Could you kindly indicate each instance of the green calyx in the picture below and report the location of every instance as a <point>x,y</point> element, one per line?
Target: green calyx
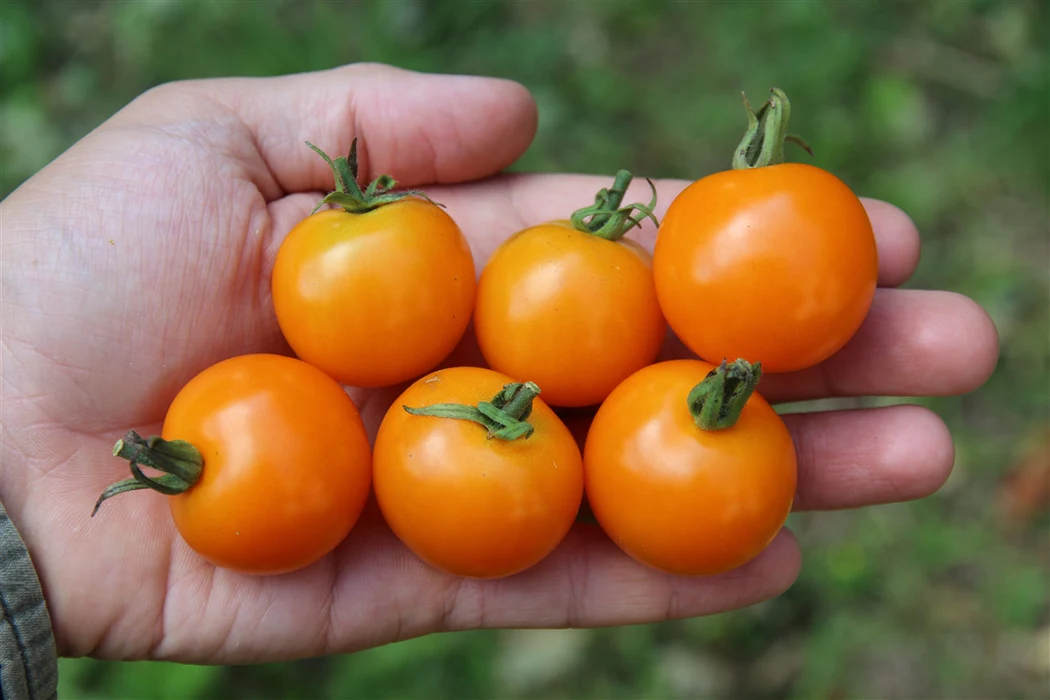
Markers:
<point>763,143</point>
<point>349,195</point>
<point>179,462</point>
<point>504,417</point>
<point>606,218</point>
<point>717,402</point>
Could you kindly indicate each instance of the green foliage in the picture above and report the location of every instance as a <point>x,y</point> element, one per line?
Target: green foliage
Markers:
<point>939,107</point>
<point>149,679</point>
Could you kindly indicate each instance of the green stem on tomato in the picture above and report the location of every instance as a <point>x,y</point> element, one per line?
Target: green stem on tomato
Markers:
<point>606,218</point>
<point>763,142</point>
<point>179,462</point>
<point>717,402</point>
<point>504,417</point>
<point>349,195</point>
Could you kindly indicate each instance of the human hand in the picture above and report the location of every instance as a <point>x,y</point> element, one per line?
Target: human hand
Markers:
<point>143,255</point>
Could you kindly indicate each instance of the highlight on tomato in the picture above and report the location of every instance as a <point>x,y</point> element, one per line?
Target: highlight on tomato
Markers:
<point>476,474</point>
<point>571,304</point>
<point>687,469</point>
<point>265,460</point>
<point>772,261</point>
<point>377,291</point>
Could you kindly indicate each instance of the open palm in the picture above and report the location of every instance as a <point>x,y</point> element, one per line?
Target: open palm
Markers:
<point>143,255</point>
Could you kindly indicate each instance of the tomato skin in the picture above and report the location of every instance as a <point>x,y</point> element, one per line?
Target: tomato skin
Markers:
<point>378,298</point>
<point>678,498</point>
<point>287,464</point>
<point>467,504</point>
<point>776,265</point>
<point>575,313</point>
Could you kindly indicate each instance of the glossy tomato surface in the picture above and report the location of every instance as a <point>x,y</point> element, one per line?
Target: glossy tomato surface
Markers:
<point>575,313</point>
<point>676,497</point>
<point>468,504</point>
<point>378,298</point>
<point>287,464</point>
<point>776,265</point>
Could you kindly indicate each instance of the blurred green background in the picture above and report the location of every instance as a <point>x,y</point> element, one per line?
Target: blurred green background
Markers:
<point>939,107</point>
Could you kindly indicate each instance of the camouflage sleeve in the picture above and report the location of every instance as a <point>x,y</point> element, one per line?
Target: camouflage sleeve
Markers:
<point>28,659</point>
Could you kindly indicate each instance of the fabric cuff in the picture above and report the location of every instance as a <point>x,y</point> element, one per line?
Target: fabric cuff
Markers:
<point>28,656</point>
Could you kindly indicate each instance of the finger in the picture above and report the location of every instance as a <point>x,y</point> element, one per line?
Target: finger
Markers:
<point>897,240</point>
<point>374,591</point>
<point>590,582</point>
<point>850,459</point>
<point>912,343</point>
<point>846,459</point>
<point>416,127</point>
<point>539,198</point>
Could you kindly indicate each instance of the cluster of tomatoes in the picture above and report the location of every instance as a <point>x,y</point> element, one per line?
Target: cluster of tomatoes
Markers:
<point>685,466</point>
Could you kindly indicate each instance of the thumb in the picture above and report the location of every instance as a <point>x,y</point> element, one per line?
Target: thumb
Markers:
<point>419,128</point>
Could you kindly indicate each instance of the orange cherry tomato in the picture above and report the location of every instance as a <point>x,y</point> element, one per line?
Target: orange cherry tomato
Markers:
<point>377,297</point>
<point>569,309</point>
<point>681,498</point>
<point>284,463</point>
<point>464,500</point>
<point>775,263</point>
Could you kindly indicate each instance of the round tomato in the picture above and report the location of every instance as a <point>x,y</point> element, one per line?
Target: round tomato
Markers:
<point>571,305</point>
<point>471,494</point>
<point>771,262</point>
<point>378,291</point>
<point>266,460</point>
<point>687,470</point>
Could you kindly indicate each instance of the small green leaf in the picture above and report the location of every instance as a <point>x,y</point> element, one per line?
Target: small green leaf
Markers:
<point>340,184</point>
